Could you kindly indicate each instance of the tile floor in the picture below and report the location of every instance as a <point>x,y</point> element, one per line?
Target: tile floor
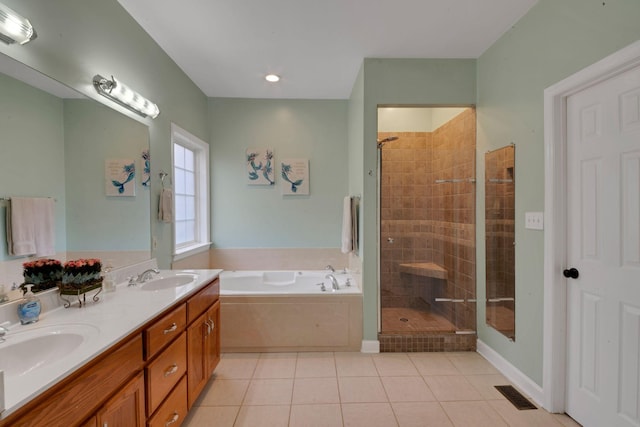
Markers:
<point>415,321</point>
<point>356,389</point>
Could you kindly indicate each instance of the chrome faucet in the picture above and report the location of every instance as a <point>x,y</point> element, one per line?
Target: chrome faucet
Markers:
<point>334,281</point>
<point>3,331</point>
<point>330,267</point>
<point>146,275</point>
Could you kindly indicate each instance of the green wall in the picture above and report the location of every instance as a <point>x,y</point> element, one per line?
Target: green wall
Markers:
<point>552,41</point>
<point>249,216</point>
<point>32,146</point>
<point>78,39</point>
<point>434,82</point>
<point>94,133</point>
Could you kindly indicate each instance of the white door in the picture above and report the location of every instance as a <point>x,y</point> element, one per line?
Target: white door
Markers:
<point>603,227</point>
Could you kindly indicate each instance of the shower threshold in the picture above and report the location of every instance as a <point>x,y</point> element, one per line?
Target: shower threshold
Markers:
<point>412,330</point>
<point>410,320</point>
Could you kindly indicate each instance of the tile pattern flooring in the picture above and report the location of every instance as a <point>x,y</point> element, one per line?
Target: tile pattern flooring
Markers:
<point>356,389</point>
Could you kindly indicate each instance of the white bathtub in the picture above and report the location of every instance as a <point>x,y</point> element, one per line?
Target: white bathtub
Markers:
<point>277,311</point>
<point>285,282</point>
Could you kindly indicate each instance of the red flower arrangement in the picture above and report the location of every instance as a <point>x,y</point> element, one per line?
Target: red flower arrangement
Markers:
<point>42,273</point>
<point>82,271</point>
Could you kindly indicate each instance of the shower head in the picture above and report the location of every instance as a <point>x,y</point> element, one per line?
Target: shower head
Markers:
<point>381,142</point>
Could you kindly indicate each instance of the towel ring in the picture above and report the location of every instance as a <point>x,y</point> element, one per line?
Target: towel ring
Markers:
<point>163,175</point>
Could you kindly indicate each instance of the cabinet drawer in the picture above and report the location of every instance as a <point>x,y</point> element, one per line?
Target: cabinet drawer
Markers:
<point>201,301</point>
<point>165,371</point>
<point>164,331</point>
<point>174,410</point>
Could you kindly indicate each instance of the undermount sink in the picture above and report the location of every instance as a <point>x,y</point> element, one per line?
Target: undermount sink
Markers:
<point>34,349</point>
<point>168,282</point>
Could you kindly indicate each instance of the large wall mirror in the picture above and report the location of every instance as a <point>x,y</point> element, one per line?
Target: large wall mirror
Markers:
<point>55,143</point>
<point>500,239</point>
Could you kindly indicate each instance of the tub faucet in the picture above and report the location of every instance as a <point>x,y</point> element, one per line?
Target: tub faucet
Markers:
<point>330,267</point>
<point>334,281</point>
<point>146,275</point>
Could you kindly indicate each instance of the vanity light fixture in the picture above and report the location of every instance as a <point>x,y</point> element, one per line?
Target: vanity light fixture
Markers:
<point>272,78</point>
<point>122,94</point>
<point>15,28</point>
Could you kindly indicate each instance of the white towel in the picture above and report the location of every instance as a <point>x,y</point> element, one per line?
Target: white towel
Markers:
<point>165,208</point>
<point>347,242</point>
<point>31,226</point>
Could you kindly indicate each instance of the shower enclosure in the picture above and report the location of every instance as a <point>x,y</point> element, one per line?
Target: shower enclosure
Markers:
<point>427,234</point>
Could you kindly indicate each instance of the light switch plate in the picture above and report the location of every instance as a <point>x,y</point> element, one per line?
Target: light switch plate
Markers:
<point>534,220</point>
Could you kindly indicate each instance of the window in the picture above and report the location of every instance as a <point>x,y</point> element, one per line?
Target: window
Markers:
<point>190,158</point>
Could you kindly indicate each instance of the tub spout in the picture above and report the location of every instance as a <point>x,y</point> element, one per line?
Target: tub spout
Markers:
<point>334,281</point>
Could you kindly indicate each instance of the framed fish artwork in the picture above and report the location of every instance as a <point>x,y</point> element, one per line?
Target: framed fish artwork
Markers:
<point>260,166</point>
<point>295,177</point>
<point>120,177</point>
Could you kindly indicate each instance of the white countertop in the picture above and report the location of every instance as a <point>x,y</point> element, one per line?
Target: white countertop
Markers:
<point>115,316</point>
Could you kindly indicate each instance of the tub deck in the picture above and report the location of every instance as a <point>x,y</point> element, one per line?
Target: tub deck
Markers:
<point>291,320</point>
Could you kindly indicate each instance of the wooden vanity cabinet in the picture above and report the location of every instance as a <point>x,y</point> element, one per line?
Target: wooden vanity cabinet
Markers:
<point>194,355</point>
<point>203,343</point>
<point>74,400</point>
<point>203,350</point>
<point>91,422</point>
<point>151,378</point>
<point>126,408</point>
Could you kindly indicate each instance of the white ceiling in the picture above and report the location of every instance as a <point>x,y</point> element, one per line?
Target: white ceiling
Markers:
<point>316,46</point>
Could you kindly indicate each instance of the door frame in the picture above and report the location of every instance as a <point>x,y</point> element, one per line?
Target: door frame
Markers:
<point>554,358</point>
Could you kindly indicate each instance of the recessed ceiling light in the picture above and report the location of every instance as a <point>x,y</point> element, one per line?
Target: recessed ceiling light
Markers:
<point>272,78</point>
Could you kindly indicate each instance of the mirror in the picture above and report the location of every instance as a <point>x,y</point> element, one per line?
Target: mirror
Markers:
<point>500,239</point>
<point>55,143</point>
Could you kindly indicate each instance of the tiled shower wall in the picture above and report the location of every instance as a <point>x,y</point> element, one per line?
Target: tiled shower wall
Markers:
<point>423,220</point>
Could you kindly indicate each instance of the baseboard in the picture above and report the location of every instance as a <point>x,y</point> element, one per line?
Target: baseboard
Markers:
<point>513,374</point>
<point>372,346</point>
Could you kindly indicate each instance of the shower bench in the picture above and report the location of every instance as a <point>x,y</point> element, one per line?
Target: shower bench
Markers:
<point>425,269</point>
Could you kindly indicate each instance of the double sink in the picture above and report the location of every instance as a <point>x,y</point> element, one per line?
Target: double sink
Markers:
<point>46,349</point>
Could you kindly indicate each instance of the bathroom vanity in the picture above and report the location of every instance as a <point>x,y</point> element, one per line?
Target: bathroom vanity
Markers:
<point>151,375</point>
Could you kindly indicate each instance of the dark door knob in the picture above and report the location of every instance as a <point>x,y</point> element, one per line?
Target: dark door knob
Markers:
<point>571,273</point>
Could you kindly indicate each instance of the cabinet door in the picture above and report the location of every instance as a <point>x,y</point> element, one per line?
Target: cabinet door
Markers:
<point>197,341</point>
<point>126,408</point>
<point>213,345</point>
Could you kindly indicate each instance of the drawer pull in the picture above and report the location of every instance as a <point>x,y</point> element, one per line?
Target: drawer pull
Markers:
<point>172,370</point>
<point>175,418</point>
<point>213,325</point>
<point>172,328</point>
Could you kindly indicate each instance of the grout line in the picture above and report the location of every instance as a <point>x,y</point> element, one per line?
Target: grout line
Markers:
<point>450,356</point>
